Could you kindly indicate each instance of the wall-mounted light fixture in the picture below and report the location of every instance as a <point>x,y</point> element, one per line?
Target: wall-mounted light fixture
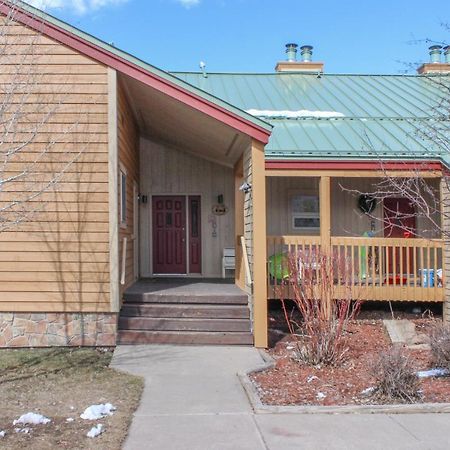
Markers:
<point>245,187</point>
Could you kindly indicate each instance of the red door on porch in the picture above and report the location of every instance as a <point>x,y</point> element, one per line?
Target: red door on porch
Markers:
<point>399,222</point>
<point>169,235</point>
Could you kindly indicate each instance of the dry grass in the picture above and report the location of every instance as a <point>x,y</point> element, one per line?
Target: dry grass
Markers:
<point>440,345</point>
<point>62,383</point>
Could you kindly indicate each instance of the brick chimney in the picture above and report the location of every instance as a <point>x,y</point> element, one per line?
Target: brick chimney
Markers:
<point>304,65</point>
<point>436,65</point>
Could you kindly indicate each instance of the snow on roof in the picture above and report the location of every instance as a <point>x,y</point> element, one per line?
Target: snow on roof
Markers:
<point>273,114</point>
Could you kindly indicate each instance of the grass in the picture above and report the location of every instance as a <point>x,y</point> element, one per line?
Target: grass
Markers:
<point>61,383</point>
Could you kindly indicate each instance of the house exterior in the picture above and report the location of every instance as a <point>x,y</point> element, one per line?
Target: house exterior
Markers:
<point>141,173</point>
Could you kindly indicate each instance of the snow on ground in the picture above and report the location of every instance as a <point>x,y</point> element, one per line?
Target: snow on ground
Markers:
<point>32,419</point>
<point>2,434</point>
<point>22,430</point>
<point>95,412</point>
<point>95,431</point>
<point>433,373</point>
<point>294,114</point>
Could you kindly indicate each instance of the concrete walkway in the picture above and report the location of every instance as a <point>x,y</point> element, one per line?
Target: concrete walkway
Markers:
<point>193,401</point>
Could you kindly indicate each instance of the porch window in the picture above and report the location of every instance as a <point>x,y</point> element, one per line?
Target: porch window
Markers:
<point>123,196</point>
<point>305,213</point>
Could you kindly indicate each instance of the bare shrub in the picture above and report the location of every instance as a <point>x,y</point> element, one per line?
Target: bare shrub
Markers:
<point>320,287</point>
<point>395,377</point>
<point>440,345</point>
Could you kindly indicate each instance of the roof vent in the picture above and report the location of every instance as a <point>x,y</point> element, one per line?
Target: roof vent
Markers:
<point>291,52</point>
<point>435,54</point>
<point>305,65</point>
<point>436,65</point>
<point>306,52</point>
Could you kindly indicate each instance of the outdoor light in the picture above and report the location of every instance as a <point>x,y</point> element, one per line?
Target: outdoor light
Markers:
<point>246,187</point>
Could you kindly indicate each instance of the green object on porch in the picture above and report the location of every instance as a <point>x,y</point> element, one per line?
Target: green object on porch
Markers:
<point>279,266</point>
<point>363,255</point>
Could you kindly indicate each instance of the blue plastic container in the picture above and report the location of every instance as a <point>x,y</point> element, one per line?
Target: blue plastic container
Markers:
<point>427,276</point>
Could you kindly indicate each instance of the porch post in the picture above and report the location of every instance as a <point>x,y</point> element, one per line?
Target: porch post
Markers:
<point>325,213</point>
<point>239,223</point>
<point>445,225</point>
<point>259,244</point>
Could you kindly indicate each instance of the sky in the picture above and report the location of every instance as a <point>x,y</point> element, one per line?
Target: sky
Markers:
<point>349,36</point>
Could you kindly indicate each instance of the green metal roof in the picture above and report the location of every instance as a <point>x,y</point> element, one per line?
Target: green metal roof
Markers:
<point>184,84</point>
<point>375,116</point>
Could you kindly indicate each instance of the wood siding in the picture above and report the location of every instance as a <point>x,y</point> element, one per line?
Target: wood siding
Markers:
<point>168,171</point>
<point>128,147</point>
<point>58,258</point>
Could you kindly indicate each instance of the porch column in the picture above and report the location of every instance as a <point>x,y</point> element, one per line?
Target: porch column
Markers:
<point>239,223</point>
<point>325,213</point>
<point>259,244</point>
<point>445,225</point>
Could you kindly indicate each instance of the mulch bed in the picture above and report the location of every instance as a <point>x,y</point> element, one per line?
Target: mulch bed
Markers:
<point>291,383</point>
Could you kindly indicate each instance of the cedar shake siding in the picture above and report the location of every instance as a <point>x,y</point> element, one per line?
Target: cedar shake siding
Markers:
<point>57,259</point>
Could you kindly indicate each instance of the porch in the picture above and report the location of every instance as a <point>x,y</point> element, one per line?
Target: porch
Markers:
<point>371,258</point>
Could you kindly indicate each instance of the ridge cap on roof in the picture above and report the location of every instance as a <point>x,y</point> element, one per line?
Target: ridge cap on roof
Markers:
<point>306,74</point>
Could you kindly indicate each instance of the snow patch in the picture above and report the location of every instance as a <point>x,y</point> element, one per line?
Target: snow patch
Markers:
<point>70,419</point>
<point>22,430</point>
<point>32,419</point>
<point>433,373</point>
<point>320,396</point>
<point>311,378</point>
<point>95,412</point>
<point>368,391</point>
<point>2,434</point>
<point>274,114</point>
<point>95,431</point>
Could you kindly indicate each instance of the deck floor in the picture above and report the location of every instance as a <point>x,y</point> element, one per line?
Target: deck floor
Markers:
<point>185,286</point>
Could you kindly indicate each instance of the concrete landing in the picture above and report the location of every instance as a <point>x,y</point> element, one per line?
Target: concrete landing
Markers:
<point>193,401</point>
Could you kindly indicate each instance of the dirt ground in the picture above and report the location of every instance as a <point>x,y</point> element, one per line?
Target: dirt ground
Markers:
<point>61,384</point>
<point>291,383</point>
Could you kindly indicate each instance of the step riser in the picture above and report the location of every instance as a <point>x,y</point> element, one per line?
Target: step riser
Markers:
<point>136,337</point>
<point>157,324</point>
<point>186,311</point>
<point>187,299</point>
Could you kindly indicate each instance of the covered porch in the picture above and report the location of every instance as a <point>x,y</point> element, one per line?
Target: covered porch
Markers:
<point>374,257</point>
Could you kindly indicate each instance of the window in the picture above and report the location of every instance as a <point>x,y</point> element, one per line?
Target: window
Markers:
<point>305,213</point>
<point>123,197</point>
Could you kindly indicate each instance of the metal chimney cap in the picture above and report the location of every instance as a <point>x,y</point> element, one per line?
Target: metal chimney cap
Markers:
<point>291,52</point>
<point>306,47</point>
<point>435,53</point>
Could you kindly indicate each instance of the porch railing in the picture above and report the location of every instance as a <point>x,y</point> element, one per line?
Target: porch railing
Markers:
<point>376,268</point>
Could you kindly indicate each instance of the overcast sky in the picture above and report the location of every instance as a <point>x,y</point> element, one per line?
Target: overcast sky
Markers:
<point>354,36</point>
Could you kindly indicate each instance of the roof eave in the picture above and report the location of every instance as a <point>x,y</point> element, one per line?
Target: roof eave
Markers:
<point>141,71</point>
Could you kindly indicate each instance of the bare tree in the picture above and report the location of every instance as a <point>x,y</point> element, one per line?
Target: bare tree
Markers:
<point>433,132</point>
<point>29,131</point>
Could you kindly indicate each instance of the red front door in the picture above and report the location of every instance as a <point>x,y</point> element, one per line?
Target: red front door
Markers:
<point>169,235</point>
<point>399,222</point>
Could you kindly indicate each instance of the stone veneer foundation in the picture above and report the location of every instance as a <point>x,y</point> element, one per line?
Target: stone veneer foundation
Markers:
<point>57,329</point>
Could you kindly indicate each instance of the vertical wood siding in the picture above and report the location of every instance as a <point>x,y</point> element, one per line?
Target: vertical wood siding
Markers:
<point>56,260</point>
<point>248,211</point>
<point>166,171</point>
<point>128,147</point>
<point>346,218</point>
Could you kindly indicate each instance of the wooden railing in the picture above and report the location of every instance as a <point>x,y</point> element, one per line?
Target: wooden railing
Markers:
<point>375,268</point>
